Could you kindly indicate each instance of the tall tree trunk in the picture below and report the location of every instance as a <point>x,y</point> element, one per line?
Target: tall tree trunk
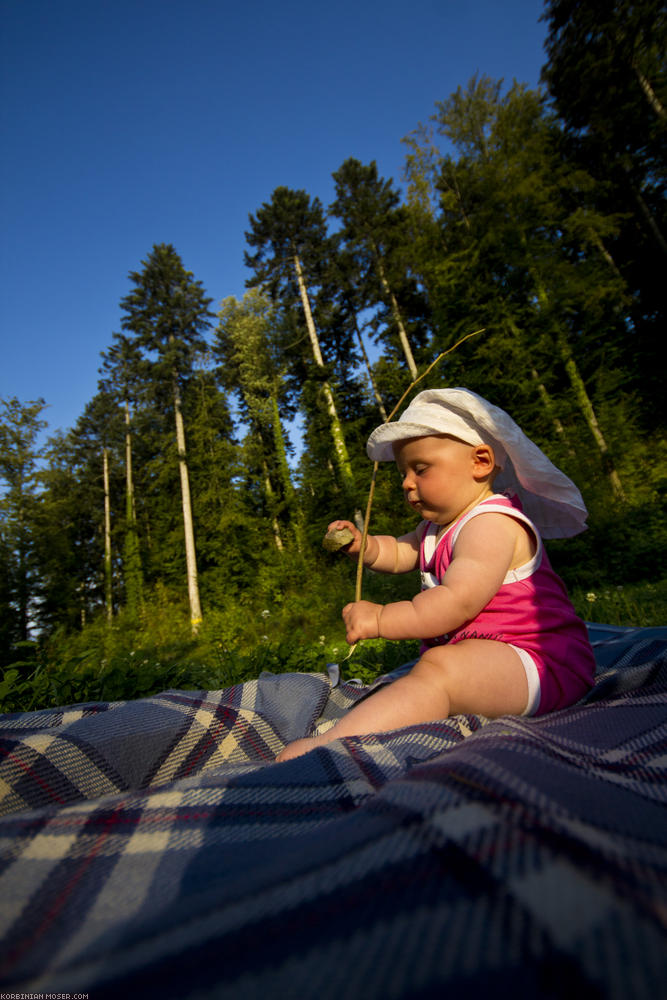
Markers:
<point>649,93</point>
<point>268,489</point>
<point>22,587</point>
<point>586,407</point>
<point>396,313</point>
<point>648,217</point>
<point>542,390</point>
<point>548,404</point>
<point>581,395</point>
<point>605,253</point>
<point>340,448</point>
<point>283,466</point>
<point>108,600</point>
<point>369,370</point>
<point>131,555</point>
<point>190,551</point>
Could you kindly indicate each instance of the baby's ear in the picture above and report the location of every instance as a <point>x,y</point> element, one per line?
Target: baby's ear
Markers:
<point>484,460</point>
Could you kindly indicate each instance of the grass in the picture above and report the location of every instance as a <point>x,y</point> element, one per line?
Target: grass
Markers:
<point>640,604</point>
<point>123,663</point>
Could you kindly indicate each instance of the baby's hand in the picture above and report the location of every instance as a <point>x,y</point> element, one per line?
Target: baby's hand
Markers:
<point>362,621</point>
<point>349,548</point>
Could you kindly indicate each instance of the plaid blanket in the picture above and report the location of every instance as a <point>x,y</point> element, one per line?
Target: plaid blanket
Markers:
<point>155,848</point>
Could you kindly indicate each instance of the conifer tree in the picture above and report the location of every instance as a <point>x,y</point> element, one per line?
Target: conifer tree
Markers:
<point>88,459</point>
<point>96,439</point>
<point>247,345</point>
<point>214,463</point>
<point>67,548</point>
<point>288,234</point>
<point>372,227</point>
<point>122,374</point>
<point>20,425</point>
<point>347,303</point>
<point>168,312</point>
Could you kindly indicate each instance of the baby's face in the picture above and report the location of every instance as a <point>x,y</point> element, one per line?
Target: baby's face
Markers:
<point>438,476</point>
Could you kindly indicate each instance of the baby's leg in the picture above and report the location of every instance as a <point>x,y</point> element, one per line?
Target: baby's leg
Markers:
<point>476,676</point>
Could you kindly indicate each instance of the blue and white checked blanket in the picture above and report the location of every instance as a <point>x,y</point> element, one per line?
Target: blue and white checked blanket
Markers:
<point>155,849</point>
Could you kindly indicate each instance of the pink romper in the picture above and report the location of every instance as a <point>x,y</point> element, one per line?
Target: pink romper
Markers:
<point>531,611</point>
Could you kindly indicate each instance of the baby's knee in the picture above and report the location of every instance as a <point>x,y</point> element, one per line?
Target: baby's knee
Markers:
<point>434,657</point>
<point>433,665</point>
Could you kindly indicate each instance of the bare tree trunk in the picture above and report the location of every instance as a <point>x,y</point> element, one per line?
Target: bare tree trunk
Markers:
<point>649,219</point>
<point>22,586</point>
<point>547,402</point>
<point>131,556</point>
<point>586,407</point>
<point>605,253</point>
<point>129,485</point>
<point>396,313</point>
<point>268,489</point>
<point>336,428</point>
<point>542,391</point>
<point>107,536</point>
<point>376,391</point>
<point>650,93</point>
<point>583,399</point>
<point>190,551</point>
<point>283,465</point>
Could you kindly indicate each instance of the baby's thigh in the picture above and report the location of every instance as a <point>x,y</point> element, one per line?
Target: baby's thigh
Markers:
<point>480,676</point>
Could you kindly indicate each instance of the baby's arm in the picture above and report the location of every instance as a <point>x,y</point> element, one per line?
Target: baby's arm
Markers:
<point>383,553</point>
<point>483,554</point>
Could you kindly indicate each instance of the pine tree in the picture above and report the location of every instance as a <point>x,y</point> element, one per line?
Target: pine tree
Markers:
<point>221,520</point>
<point>288,234</point>
<point>96,441</point>
<point>247,346</point>
<point>168,312</point>
<point>373,229</point>
<point>20,425</point>
<point>67,539</point>
<point>122,375</point>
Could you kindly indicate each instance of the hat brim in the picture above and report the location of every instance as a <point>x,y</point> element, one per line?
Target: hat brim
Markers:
<point>380,445</point>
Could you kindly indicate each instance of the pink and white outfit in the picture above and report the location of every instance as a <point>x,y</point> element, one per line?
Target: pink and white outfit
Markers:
<point>531,612</point>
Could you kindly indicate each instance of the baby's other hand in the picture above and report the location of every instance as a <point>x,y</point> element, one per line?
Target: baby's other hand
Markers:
<point>361,620</point>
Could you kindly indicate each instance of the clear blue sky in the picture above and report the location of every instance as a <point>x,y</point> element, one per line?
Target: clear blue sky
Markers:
<point>126,123</point>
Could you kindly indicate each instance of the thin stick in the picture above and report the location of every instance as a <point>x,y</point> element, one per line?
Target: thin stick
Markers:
<point>371,492</point>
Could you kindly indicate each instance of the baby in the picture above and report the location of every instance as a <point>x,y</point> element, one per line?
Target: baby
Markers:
<point>499,633</point>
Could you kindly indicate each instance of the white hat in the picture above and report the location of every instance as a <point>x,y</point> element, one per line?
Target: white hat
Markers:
<point>551,500</point>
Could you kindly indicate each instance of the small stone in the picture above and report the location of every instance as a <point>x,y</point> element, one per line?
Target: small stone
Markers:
<point>337,538</point>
